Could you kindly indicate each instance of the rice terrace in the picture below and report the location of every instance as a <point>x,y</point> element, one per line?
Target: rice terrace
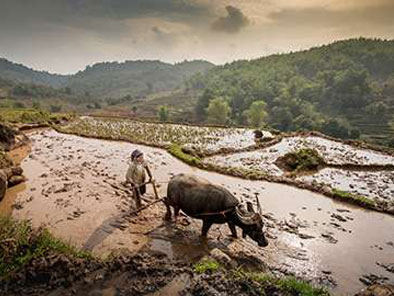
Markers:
<point>196,148</point>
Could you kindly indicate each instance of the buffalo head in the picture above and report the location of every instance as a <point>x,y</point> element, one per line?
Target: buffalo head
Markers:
<point>251,224</point>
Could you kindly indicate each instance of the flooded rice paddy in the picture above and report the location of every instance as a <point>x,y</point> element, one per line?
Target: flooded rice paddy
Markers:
<point>74,188</point>
<point>205,139</point>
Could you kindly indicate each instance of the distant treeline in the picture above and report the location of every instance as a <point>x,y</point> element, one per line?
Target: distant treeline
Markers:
<point>110,79</point>
<point>339,89</point>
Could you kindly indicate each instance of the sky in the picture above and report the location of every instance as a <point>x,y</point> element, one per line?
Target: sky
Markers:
<point>64,36</point>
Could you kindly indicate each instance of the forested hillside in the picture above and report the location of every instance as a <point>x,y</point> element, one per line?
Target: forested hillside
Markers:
<point>343,89</point>
<point>18,95</point>
<point>114,80</point>
<point>110,80</point>
<point>20,73</point>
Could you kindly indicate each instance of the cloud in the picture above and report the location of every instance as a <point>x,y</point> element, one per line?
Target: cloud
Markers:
<point>353,18</point>
<point>66,35</point>
<point>233,22</point>
<point>164,39</point>
<point>68,12</point>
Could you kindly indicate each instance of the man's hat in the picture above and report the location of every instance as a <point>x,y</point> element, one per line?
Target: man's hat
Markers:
<point>136,153</point>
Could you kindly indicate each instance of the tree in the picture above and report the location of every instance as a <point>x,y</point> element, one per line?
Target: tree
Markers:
<point>134,109</point>
<point>203,102</point>
<point>67,90</point>
<point>256,113</point>
<point>18,105</point>
<point>36,105</point>
<point>391,138</point>
<point>55,108</point>
<point>334,127</point>
<point>163,113</point>
<point>218,111</point>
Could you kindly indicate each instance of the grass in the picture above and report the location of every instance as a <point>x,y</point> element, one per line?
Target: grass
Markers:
<point>20,243</point>
<point>354,198</point>
<point>288,285</point>
<point>260,281</point>
<point>31,116</point>
<point>305,159</point>
<point>176,150</point>
<point>206,265</point>
<point>5,161</point>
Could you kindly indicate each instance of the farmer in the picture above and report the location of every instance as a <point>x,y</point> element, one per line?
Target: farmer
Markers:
<point>136,175</point>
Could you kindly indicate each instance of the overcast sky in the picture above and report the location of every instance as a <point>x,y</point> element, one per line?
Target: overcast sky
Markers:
<point>63,36</point>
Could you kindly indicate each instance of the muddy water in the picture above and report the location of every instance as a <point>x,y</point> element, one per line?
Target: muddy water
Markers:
<point>378,185</point>
<point>73,189</point>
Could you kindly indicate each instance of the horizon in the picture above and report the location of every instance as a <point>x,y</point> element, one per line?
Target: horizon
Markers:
<point>63,37</point>
<point>190,60</point>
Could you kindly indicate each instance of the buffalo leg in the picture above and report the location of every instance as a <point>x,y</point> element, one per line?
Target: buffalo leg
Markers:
<point>168,212</point>
<point>233,229</point>
<point>176,213</point>
<point>205,227</point>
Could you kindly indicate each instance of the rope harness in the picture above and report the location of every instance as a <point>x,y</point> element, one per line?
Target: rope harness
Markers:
<point>223,213</point>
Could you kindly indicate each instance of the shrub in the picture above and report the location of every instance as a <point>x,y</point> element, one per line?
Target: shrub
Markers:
<point>302,160</point>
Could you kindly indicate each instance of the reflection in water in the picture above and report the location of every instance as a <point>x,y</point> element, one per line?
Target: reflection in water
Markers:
<point>6,205</point>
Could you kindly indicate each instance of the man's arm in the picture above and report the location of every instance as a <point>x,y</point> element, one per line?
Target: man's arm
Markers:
<point>149,172</point>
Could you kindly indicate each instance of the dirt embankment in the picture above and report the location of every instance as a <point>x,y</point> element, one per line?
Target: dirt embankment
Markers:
<point>10,170</point>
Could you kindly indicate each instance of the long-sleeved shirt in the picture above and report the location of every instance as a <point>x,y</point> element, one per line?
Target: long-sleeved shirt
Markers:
<point>136,173</point>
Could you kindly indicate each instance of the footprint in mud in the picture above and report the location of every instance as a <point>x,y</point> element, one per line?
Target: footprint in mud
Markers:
<point>329,237</point>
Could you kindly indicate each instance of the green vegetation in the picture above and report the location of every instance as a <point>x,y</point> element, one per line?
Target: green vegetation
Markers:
<point>354,198</point>
<point>259,282</point>
<point>202,139</point>
<point>305,159</point>
<point>177,151</point>
<point>32,116</point>
<point>345,89</point>
<point>289,285</point>
<point>20,243</point>
<point>218,111</point>
<point>162,113</point>
<point>101,86</point>
<point>20,73</point>
<point>136,79</point>
<point>5,161</point>
<point>206,265</point>
<point>256,113</point>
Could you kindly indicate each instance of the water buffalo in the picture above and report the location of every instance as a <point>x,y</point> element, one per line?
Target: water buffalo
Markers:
<point>200,199</point>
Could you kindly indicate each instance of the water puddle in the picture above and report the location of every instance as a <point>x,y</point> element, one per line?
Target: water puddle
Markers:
<point>174,287</point>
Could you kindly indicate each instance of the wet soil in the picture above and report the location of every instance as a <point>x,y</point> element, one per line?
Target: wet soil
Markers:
<point>74,188</point>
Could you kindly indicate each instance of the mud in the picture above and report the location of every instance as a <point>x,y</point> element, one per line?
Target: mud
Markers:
<point>333,153</point>
<point>125,274</point>
<point>74,189</point>
<point>378,185</point>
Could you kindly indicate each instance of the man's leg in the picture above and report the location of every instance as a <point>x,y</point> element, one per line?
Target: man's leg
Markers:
<point>137,197</point>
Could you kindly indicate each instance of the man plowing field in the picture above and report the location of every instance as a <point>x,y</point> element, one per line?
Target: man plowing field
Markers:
<point>136,175</point>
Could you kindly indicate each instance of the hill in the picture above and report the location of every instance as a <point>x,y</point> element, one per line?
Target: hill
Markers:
<point>345,89</point>
<point>110,80</point>
<point>134,78</point>
<point>20,73</point>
